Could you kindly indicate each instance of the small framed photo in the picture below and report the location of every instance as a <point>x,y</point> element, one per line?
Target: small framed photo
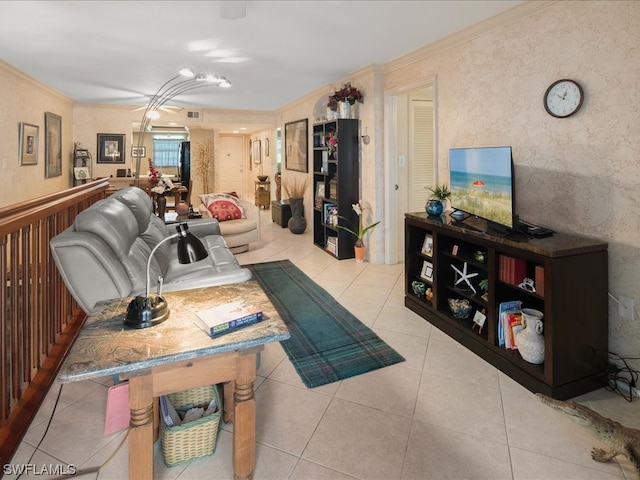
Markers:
<point>52,145</point>
<point>81,173</point>
<point>256,152</point>
<point>29,135</point>
<point>138,151</point>
<point>427,271</point>
<point>427,246</point>
<point>110,148</point>
<point>320,191</point>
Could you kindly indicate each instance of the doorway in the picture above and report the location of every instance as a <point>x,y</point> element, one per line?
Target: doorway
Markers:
<point>411,148</point>
<point>230,172</point>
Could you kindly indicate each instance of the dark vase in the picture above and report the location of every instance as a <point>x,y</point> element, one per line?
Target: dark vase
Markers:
<point>433,208</point>
<point>297,223</point>
<point>161,200</point>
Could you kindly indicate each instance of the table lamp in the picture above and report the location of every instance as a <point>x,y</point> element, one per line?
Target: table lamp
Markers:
<point>147,311</point>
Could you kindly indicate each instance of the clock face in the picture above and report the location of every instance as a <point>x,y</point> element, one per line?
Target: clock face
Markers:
<point>563,98</point>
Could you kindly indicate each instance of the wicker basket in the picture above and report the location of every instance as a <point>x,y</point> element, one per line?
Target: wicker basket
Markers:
<point>194,439</point>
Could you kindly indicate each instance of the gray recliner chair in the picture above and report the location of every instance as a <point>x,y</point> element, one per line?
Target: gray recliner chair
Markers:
<point>104,254</point>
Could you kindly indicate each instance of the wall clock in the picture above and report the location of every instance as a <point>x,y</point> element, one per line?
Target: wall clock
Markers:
<point>563,98</point>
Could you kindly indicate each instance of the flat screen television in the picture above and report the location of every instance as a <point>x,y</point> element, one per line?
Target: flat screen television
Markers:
<point>482,185</point>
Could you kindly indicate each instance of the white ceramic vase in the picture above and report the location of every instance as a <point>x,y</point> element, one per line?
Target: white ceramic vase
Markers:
<point>529,340</point>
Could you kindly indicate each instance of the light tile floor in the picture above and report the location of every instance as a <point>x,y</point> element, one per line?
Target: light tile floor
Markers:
<point>443,414</point>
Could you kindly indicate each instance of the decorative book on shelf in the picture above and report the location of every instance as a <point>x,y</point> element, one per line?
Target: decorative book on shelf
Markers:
<point>503,310</point>
<point>227,318</point>
<point>512,270</point>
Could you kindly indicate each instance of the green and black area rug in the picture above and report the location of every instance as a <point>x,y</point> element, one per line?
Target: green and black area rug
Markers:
<point>327,342</point>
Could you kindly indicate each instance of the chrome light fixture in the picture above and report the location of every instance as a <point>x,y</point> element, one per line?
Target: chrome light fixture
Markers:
<point>146,311</point>
<point>186,80</point>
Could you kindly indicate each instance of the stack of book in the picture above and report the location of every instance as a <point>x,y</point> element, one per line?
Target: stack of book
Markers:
<point>227,318</point>
<point>509,322</point>
<point>512,270</point>
<point>332,245</point>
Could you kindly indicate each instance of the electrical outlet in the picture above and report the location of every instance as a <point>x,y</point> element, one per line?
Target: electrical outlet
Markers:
<point>625,308</point>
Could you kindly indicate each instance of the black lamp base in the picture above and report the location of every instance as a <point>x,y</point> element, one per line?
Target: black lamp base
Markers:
<point>146,312</point>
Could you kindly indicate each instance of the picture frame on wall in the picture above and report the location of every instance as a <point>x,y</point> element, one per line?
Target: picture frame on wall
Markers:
<point>266,147</point>
<point>138,151</point>
<point>256,152</point>
<point>29,136</point>
<point>110,148</point>
<point>52,145</point>
<point>296,146</point>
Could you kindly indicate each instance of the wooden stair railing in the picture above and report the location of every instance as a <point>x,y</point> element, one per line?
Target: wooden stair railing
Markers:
<point>38,316</point>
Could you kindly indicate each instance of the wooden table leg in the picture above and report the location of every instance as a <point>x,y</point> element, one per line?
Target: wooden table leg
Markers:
<point>141,434</point>
<point>244,421</point>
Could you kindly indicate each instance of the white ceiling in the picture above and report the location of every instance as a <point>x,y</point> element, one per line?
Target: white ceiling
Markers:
<point>121,52</point>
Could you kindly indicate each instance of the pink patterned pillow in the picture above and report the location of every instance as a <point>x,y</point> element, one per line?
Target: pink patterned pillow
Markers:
<point>223,210</point>
<point>209,198</point>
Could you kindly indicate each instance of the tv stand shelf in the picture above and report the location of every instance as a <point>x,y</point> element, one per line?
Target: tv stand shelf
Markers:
<point>571,285</point>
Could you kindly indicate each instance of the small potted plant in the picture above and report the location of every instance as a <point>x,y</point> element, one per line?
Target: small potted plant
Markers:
<point>360,231</point>
<point>439,194</point>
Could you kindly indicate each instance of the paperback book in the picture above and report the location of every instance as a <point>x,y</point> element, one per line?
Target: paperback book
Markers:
<point>227,318</point>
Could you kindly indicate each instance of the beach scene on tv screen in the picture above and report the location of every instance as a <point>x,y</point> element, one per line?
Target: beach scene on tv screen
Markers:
<point>481,182</point>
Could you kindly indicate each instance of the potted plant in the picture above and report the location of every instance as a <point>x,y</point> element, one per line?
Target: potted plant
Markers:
<point>295,190</point>
<point>439,194</point>
<point>361,230</point>
<point>344,98</point>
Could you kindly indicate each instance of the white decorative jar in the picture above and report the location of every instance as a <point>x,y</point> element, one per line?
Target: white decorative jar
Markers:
<point>529,340</point>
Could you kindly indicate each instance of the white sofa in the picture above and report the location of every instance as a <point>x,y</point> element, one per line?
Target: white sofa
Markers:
<point>240,232</point>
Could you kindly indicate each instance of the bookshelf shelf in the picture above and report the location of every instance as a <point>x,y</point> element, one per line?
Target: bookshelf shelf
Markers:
<point>568,274</point>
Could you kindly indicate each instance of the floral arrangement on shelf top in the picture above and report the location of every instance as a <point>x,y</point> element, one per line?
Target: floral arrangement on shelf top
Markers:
<point>159,184</point>
<point>359,208</point>
<point>332,142</point>
<point>345,94</point>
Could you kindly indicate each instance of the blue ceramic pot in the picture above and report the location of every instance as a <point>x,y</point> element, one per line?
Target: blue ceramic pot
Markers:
<point>433,208</point>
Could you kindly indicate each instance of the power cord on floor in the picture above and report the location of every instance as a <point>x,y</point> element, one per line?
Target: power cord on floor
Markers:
<point>55,405</point>
<point>622,380</point>
<point>77,472</point>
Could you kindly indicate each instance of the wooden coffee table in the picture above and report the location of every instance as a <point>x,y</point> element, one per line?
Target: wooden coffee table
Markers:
<point>174,356</point>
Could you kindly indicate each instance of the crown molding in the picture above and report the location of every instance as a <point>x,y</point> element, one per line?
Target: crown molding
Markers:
<point>469,33</point>
<point>11,70</point>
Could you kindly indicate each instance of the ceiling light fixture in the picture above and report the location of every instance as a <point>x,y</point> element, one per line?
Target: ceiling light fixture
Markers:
<point>187,80</point>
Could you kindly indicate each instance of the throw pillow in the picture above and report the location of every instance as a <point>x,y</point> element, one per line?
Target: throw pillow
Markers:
<point>209,198</point>
<point>223,210</point>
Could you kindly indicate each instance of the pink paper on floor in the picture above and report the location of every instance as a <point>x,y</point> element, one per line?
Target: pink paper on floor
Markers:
<point>118,414</point>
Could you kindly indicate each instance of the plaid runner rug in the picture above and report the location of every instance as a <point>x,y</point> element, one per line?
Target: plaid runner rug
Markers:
<point>327,342</point>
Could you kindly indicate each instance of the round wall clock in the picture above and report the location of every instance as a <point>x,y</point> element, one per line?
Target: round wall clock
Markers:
<point>563,98</point>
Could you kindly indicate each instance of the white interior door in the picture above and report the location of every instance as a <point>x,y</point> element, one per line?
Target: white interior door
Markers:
<point>414,154</point>
<point>229,174</point>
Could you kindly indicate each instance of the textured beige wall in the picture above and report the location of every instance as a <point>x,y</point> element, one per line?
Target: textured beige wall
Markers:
<point>579,174</point>
<point>24,100</point>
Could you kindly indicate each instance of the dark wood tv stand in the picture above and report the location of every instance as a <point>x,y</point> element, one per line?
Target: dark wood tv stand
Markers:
<point>571,272</point>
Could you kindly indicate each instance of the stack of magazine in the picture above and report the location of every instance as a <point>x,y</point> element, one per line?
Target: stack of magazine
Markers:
<point>227,318</point>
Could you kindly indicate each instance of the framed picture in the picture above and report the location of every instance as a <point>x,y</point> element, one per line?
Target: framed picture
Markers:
<point>52,145</point>
<point>295,146</point>
<point>81,173</point>
<point>319,189</point>
<point>110,148</point>
<point>427,246</point>
<point>138,151</point>
<point>256,151</point>
<point>427,271</point>
<point>266,147</point>
<point>29,134</point>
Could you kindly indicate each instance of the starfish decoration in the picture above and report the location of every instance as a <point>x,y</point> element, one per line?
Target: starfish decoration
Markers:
<point>464,276</point>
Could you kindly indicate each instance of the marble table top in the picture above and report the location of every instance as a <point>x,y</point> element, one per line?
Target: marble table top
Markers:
<point>105,346</point>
